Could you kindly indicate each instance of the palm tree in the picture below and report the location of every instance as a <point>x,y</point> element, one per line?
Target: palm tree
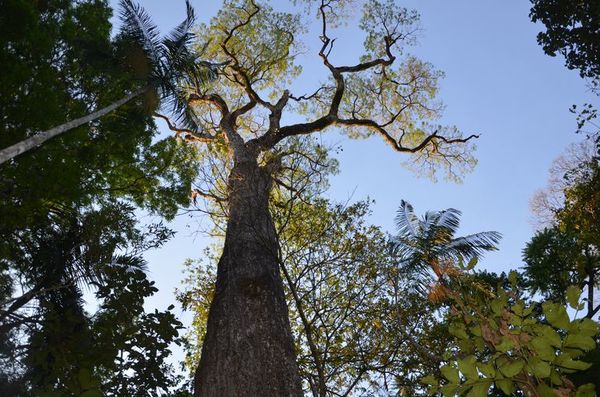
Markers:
<point>174,69</point>
<point>64,256</point>
<point>428,244</point>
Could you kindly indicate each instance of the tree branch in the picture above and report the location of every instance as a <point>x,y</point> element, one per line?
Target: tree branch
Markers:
<point>189,134</point>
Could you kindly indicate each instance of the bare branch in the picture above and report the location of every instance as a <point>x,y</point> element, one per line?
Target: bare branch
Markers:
<point>211,99</point>
<point>190,135</point>
<point>199,193</point>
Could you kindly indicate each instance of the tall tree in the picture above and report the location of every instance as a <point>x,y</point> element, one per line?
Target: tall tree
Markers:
<point>546,202</point>
<point>359,325</point>
<point>248,349</point>
<point>569,246</point>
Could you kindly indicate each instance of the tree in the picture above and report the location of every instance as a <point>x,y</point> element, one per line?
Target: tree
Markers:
<point>572,30</point>
<point>161,66</point>
<point>67,210</point>
<point>567,252</point>
<point>504,344</point>
<point>429,245</point>
<point>552,261</point>
<point>566,168</point>
<point>248,347</point>
<point>47,329</point>
<point>359,325</point>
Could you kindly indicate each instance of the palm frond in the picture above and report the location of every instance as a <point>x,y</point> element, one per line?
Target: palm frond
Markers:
<point>475,245</point>
<point>427,247</point>
<point>177,42</point>
<point>449,219</point>
<point>138,25</point>
<point>130,262</point>
<point>406,221</point>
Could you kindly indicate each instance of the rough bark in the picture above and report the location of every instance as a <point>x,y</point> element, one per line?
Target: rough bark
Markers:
<point>248,349</point>
<point>38,139</point>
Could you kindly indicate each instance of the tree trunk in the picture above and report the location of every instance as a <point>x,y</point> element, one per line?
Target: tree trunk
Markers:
<point>248,349</point>
<point>38,139</point>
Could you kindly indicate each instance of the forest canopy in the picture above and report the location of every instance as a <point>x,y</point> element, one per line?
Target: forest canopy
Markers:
<point>109,134</point>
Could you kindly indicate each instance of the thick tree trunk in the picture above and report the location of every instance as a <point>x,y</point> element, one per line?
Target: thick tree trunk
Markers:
<point>248,349</point>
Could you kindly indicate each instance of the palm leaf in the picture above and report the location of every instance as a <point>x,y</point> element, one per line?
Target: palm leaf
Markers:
<point>177,42</point>
<point>424,244</point>
<point>475,245</point>
<point>138,25</point>
<point>449,219</point>
<point>407,222</point>
<point>176,69</point>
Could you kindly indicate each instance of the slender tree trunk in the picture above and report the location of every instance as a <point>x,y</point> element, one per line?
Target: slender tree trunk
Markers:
<point>590,299</point>
<point>248,349</point>
<point>38,139</point>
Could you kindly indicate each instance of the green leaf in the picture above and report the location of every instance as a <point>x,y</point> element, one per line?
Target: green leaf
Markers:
<point>585,343</point>
<point>450,373</point>
<point>505,345</point>
<point>513,278</point>
<point>555,377</point>
<point>587,390</point>
<point>467,367</point>
<point>540,369</point>
<point>556,315</point>
<point>550,336</point>
<point>449,390</point>
<point>480,389</point>
<point>518,308</point>
<point>568,363</point>
<point>497,305</point>
<point>573,294</point>
<point>545,391</point>
<point>588,327</point>
<point>487,369</point>
<point>511,368</point>
<point>543,348</point>
<point>472,263</point>
<point>458,330</point>
<point>429,380</point>
<point>506,385</point>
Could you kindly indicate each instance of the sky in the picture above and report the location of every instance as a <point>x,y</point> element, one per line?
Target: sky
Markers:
<point>498,83</point>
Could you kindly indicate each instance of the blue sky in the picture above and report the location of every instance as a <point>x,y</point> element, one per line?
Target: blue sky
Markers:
<point>498,83</point>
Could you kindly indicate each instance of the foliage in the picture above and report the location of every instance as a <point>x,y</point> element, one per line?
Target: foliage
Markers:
<point>553,262</point>
<point>428,244</point>
<point>568,251</point>
<point>571,30</point>
<point>504,344</point>
<point>258,49</point>
<point>49,329</point>
<point>359,325</point>
<point>68,225</point>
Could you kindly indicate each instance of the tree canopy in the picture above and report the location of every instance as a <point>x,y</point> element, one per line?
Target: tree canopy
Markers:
<point>572,30</point>
<point>300,294</point>
<point>69,225</point>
